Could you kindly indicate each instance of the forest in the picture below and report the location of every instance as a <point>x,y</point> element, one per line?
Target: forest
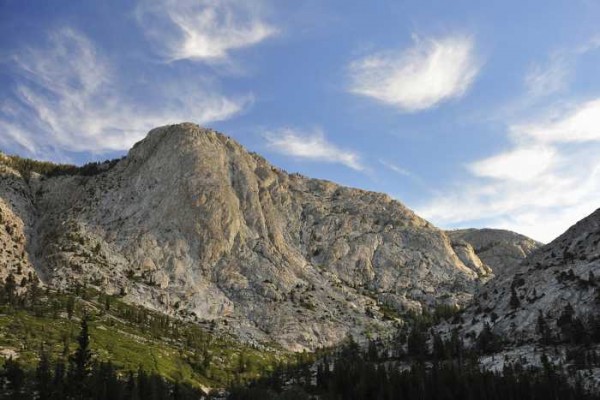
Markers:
<point>418,363</point>
<point>353,373</point>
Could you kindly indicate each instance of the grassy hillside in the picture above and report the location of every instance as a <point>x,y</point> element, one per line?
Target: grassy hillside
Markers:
<point>131,337</point>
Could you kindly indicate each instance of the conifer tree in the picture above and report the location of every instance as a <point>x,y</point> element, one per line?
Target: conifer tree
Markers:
<point>58,381</point>
<point>10,289</point>
<point>514,299</point>
<point>43,375</point>
<point>543,329</point>
<point>70,306</point>
<point>439,348</point>
<point>417,341</point>
<point>487,341</point>
<point>80,362</point>
<point>15,377</point>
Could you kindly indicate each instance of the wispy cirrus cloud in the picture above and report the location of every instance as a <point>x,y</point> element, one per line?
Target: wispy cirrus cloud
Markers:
<point>313,146</point>
<point>546,78</point>
<point>69,97</point>
<point>548,180</point>
<point>395,168</point>
<point>205,30</point>
<point>434,70</point>
<point>556,73</point>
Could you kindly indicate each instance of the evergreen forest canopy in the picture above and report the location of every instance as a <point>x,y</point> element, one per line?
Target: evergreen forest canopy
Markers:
<point>417,364</point>
<point>422,365</point>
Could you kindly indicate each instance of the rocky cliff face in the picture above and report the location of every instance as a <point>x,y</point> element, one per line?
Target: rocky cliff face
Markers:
<point>191,224</point>
<point>499,250</point>
<point>555,280</point>
<point>17,216</point>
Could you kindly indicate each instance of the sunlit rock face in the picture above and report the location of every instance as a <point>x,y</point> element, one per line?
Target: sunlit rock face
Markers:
<point>191,224</point>
<point>17,217</point>
<point>497,249</point>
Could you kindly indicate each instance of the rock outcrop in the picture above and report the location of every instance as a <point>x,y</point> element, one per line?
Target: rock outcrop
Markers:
<point>191,224</point>
<point>554,285</point>
<point>497,249</point>
<point>17,217</point>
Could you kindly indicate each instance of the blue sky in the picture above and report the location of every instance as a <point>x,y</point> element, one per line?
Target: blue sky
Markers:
<point>471,114</point>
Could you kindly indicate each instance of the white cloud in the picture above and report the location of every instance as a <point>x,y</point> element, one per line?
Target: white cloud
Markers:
<point>395,168</point>
<point>553,76</point>
<point>544,79</point>
<point>414,79</point>
<point>68,97</point>
<point>13,134</point>
<point>579,124</point>
<point>311,146</point>
<point>203,29</point>
<point>546,183</point>
<point>521,164</point>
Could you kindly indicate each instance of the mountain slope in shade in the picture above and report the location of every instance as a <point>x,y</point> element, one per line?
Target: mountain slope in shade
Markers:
<point>557,279</point>
<point>191,224</point>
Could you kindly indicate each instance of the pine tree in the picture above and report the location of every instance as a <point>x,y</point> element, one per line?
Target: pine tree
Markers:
<point>10,289</point>
<point>594,326</point>
<point>543,329</point>
<point>372,352</point>
<point>144,391</point>
<point>439,348</point>
<point>70,306</point>
<point>43,375</point>
<point>15,377</point>
<point>456,346</point>
<point>565,322</point>
<point>487,341</point>
<point>417,342</point>
<point>58,381</point>
<point>34,291</point>
<point>80,362</point>
<point>514,299</point>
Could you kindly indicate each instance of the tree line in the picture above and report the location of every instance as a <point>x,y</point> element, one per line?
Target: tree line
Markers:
<point>352,373</point>
<point>27,166</point>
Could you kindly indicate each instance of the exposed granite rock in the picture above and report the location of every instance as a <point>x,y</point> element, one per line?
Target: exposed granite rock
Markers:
<point>498,249</point>
<point>467,255</point>
<point>552,278</point>
<point>191,224</point>
<point>17,216</point>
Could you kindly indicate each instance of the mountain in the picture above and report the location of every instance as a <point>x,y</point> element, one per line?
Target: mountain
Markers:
<point>17,216</point>
<point>202,264</point>
<point>192,225</point>
<point>552,296</point>
<point>497,249</point>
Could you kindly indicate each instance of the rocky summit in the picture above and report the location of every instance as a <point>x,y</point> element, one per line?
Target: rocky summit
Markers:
<point>191,224</point>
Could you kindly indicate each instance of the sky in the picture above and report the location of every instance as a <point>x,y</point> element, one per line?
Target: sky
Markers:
<point>473,114</point>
